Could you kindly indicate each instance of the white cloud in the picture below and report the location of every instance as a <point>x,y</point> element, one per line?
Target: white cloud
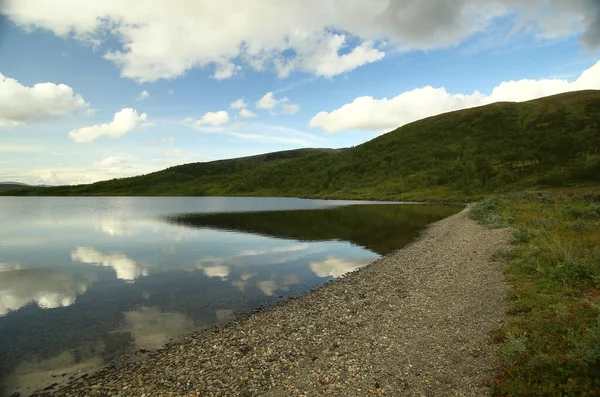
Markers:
<point>370,114</point>
<point>225,70</point>
<point>289,108</point>
<point>268,101</point>
<point>20,104</point>
<point>123,122</point>
<point>143,95</point>
<point>125,268</point>
<point>239,104</point>
<point>160,39</point>
<point>212,118</point>
<point>333,266</point>
<point>247,113</point>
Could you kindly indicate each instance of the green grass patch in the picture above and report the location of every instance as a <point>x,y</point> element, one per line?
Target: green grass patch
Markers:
<point>552,345</point>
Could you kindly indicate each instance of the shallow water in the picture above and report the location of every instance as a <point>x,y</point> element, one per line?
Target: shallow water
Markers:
<point>84,281</point>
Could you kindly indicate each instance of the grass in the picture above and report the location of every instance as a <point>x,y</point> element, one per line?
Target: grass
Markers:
<point>552,344</point>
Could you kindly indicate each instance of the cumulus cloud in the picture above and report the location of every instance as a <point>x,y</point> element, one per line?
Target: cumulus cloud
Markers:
<point>123,122</point>
<point>162,40</point>
<point>20,104</point>
<point>370,114</point>
<point>247,113</point>
<point>270,103</point>
<point>239,104</point>
<point>143,95</point>
<point>213,118</point>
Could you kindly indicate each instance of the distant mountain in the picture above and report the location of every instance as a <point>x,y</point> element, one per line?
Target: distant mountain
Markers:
<point>544,143</point>
<point>14,183</point>
<point>5,186</point>
<point>17,185</point>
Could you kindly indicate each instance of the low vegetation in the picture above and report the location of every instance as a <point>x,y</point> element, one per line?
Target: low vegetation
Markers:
<point>552,344</point>
<point>457,156</point>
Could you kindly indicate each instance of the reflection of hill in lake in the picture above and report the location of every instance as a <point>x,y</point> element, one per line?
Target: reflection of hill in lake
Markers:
<point>381,228</point>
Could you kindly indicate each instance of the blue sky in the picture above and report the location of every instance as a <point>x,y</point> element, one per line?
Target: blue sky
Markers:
<point>98,90</point>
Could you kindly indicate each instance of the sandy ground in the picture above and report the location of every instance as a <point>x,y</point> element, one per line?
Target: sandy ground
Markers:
<point>415,323</point>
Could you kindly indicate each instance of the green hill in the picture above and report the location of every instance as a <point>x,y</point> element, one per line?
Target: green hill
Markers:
<point>12,185</point>
<point>544,143</point>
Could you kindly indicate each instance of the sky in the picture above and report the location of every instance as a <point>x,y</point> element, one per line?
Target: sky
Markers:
<point>94,90</point>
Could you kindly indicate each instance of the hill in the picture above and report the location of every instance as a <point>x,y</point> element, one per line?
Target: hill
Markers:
<point>12,185</point>
<point>544,143</point>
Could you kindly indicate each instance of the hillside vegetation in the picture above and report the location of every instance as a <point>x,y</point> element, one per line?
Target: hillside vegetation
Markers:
<point>462,155</point>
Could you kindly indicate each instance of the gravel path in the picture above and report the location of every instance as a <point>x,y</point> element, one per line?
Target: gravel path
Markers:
<point>415,323</point>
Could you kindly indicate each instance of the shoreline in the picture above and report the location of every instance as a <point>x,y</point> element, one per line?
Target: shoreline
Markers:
<point>415,322</point>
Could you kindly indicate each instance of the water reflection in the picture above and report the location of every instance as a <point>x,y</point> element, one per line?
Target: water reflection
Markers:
<point>115,275</point>
<point>46,288</point>
<point>152,328</point>
<point>381,228</point>
<point>335,267</point>
<point>34,374</point>
<point>125,268</point>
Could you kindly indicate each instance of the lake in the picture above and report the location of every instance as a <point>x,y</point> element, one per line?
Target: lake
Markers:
<point>89,281</point>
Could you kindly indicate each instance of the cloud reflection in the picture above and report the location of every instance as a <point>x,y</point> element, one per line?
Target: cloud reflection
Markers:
<point>333,266</point>
<point>293,248</point>
<point>47,288</point>
<point>152,328</point>
<point>113,227</point>
<point>125,268</point>
<point>268,287</point>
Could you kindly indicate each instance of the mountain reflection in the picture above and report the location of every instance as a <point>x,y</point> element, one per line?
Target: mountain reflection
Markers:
<point>381,228</point>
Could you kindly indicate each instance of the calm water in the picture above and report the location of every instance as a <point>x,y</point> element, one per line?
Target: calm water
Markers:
<point>84,281</point>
